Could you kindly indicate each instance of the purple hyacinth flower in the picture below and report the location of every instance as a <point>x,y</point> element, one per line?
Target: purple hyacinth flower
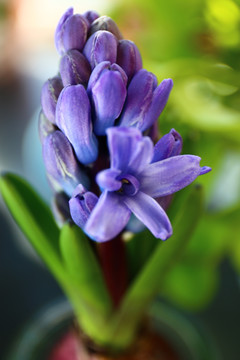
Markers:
<point>71,32</point>
<point>107,89</point>
<point>73,117</point>
<point>62,167</point>
<point>105,23</point>
<point>129,57</point>
<point>91,16</point>
<point>49,96</point>
<point>45,127</point>
<point>132,183</point>
<point>74,68</point>
<point>169,145</point>
<point>81,205</point>
<point>101,46</point>
<point>145,100</point>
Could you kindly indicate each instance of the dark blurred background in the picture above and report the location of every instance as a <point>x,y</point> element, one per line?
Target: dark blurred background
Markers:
<point>197,43</point>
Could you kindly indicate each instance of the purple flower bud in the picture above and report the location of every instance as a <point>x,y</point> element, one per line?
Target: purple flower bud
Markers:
<point>49,96</point>
<point>101,46</point>
<point>60,207</point>
<point>169,145</point>
<point>145,100</point>
<point>107,88</point>
<point>45,127</point>
<point>74,68</point>
<point>91,16</point>
<point>129,57</point>
<point>81,205</point>
<point>105,23</point>
<point>59,30</point>
<point>62,167</point>
<point>71,32</point>
<point>73,117</point>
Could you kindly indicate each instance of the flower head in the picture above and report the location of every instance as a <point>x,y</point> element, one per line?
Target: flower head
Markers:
<point>132,183</point>
<point>94,112</point>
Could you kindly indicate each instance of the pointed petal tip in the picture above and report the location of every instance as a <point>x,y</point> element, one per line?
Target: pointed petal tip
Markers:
<point>205,170</point>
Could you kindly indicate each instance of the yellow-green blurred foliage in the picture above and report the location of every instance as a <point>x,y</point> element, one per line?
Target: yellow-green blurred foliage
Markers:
<point>197,44</point>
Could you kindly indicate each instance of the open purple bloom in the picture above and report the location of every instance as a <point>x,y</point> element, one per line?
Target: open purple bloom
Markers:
<point>132,183</point>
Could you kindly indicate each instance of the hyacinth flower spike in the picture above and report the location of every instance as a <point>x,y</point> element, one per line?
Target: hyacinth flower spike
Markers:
<point>132,183</point>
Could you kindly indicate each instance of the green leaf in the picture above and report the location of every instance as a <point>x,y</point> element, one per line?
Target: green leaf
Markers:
<point>34,218</point>
<point>83,268</point>
<point>151,278</point>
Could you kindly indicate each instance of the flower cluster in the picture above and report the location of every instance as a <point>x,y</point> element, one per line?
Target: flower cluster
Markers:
<point>96,125</point>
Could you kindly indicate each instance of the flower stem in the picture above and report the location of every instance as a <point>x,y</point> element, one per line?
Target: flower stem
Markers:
<point>113,262</point>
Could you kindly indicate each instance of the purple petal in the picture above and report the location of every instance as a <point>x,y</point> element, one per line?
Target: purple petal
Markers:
<point>122,143</point>
<point>101,46</point>
<point>108,218</point>
<point>105,23</point>
<point>178,142</point>
<point>205,170</point>
<point>108,96</point>
<point>45,127</point>
<point>169,145</point>
<point>74,119</point>
<point>139,98</point>
<point>73,34</point>
<point>170,175</point>
<point>129,57</point>
<point>81,205</point>
<point>159,100</point>
<point>100,69</point>
<point>61,165</point>
<point>59,31</point>
<point>74,68</point>
<point>147,210</point>
<point>106,180</point>
<point>142,155</point>
<point>49,96</point>
<point>91,16</point>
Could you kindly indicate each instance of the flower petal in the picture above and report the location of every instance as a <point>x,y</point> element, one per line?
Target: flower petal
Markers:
<point>59,30</point>
<point>62,167</point>
<point>147,210</point>
<point>108,218</point>
<point>106,179</point>
<point>81,205</point>
<point>74,119</point>
<point>129,57</point>
<point>170,175</point>
<point>139,98</point>
<point>142,155</point>
<point>49,97</point>
<point>159,100</point>
<point>105,23</point>
<point>108,96</point>
<point>169,145</point>
<point>74,68</point>
<point>122,143</point>
<point>101,46</point>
